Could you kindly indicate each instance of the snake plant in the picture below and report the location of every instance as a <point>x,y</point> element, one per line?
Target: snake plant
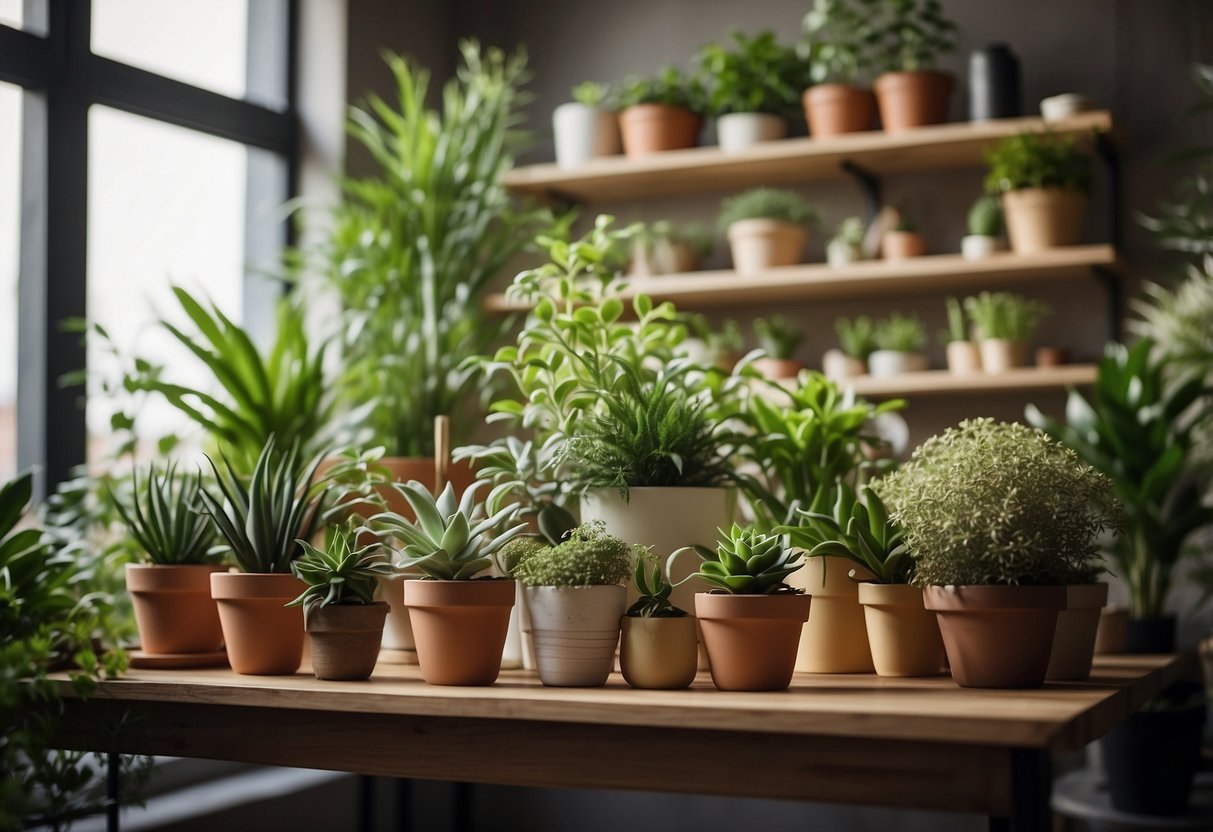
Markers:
<point>163,517</point>
<point>856,529</point>
<point>749,562</point>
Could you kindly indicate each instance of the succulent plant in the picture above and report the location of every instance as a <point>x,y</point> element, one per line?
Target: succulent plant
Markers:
<point>856,529</point>
<point>985,217</point>
<point>900,333</point>
<point>778,336</point>
<point>856,337</point>
<point>749,562</point>
<point>1005,315</point>
<point>340,573</point>
<point>654,587</point>
<point>164,517</point>
<point>587,557</point>
<point>957,329</point>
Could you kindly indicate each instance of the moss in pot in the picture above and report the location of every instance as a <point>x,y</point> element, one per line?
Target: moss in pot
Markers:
<point>659,645</point>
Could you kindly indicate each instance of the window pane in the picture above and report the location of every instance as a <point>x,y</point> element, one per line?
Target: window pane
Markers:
<point>166,207</point>
<point>10,227</point>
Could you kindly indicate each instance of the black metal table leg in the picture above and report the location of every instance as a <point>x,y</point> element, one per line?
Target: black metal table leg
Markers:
<point>1031,787</point>
<point>113,790</point>
<point>366,803</point>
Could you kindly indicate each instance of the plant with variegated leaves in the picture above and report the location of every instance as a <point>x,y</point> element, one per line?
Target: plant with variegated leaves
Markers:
<point>747,561</point>
<point>855,528</point>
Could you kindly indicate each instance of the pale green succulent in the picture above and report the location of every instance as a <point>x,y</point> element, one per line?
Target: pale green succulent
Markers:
<point>342,573</point>
<point>856,529</point>
<point>749,562</point>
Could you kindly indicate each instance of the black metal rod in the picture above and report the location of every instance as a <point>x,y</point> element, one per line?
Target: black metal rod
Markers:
<point>113,790</point>
<point>869,183</point>
<point>366,803</point>
<point>1106,150</point>
<point>1113,292</point>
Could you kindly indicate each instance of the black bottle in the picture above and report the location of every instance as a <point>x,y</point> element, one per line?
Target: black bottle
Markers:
<point>994,83</point>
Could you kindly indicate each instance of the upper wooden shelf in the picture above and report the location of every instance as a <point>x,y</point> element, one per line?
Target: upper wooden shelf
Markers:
<point>945,383</point>
<point>706,169</point>
<point>943,272</point>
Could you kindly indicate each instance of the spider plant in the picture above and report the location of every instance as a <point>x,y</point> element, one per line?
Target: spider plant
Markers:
<point>164,517</point>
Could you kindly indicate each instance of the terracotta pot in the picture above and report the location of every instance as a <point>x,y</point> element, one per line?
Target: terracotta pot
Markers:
<point>173,607</point>
<point>583,132</point>
<point>979,246</point>
<point>838,366</point>
<point>895,362</point>
<point>778,369</point>
<point>736,132</point>
<point>1113,631</point>
<point>576,631</point>
<point>902,245</point>
<point>964,357</point>
<point>1074,640</point>
<point>999,355</point>
<point>835,638</point>
<point>460,628</point>
<point>663,256</point>
<point>997,636</point>
<point>1039,219</point>
<point>264,638</point>
<point>659,653</point>
<point>760,244</point>
<point>834,109</point>
<point>652,128</point>
<point>904,636</point>
<point>751,639</point>
<point>344,639</point>
<point>1051,356</point>
<point>913,99</point>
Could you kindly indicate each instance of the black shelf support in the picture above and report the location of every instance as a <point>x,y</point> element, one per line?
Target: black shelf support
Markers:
<point>869,183</point>
<point>1109,278</point>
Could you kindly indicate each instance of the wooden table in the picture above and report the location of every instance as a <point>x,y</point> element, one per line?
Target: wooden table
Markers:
<point>914,743</point>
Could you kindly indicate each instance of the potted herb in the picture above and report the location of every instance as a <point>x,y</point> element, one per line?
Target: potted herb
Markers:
<point>585,128</point>
<point>668,248</point>
<point>659,644</point>
<point>766,227</point>
<point>751,619</point>
<point>856,342</point>
<point>779,339</point>
<point>755,88</point>
<point>907,38</point>
<point>899,341</point>
<point>1004,323</point>
<point>985,229</point>
<point>1000,519</point>
<point>846,246</point>
<point>344,622</point>
<point>855,540</point>
<point>171,591</point>
<point>661,112</point>
<point>835,45</point>
<point>902,241</point>
<point>575,595</point>
<point>1044,180</point>
<point>964,356</point>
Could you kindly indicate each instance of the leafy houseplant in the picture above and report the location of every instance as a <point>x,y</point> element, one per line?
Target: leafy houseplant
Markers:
<point>835,45</point>
<point>985,228</point>
<point>906,38</point>
<point>766,227</point>
<point>964,356</point>
<point>1044,180</point>
<point>755,88</point>
<point>779,339</point>
<point>661,112</point>
<point>1004,323</point>
<point>658,646</point>
<point>856,342</point>
<point>586,127</point>
<point>899,341</point>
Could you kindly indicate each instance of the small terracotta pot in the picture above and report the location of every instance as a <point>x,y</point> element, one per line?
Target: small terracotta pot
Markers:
<point>838,366</point>
<point>460,628</point>
<point>1039,219</point>
<point>913,99</point>
<point>1051,356</point>
<point>778,369</point>
<point>902,245</point>
<point>964,358</point>
<point>652,128</point>
<point>760,244</point>
<point>659,653</point>
<point>751,639</point>
<point>1112,636</point>
<point>264,637</point>
<point>736,132</point>
<point>1074,640</point>
<point>903,634</point>
<point>999,355</point>
<point>345,639</point>
<point>835,638</point>
<point>883,363</point>
<point>834,109</point>
<point>576,631</point>
<point>662,257</point>
<point>173,607</point>
<point>997,636</point>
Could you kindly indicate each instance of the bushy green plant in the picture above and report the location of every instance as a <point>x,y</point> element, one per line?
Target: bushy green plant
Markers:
<point>856,529</point>
<point>985,217</point>
<point>587,557</point>
<point>593,94</point>
<point>670,86</point>
<point>958,329</point>
<point>1038,160</point>
<point>1004,315</point>
<point>342,573</point>
<point>693,235</point>
<point>747,561</point>
<point>166,519</point>
<point>907,35</point>
<point>766,204</point>
<point>856,337</point>
<point>654,588</point>
<point>836,42</point>
<point>778,336</point>
<point>753,75</point>
<point>999,503</point>
<point>902,333</point>
<point>1179,320</point>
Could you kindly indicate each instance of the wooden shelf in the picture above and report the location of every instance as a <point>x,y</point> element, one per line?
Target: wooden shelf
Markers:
<point>936,273</point>
<point>945,383</point>
<point>788,161</point>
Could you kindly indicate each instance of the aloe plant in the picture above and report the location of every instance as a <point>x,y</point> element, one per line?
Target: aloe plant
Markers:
<point>747,561</point>
<point>166,519</point>
<point>857,337</point>
<point>655,588</point>
<point>957,329</point>
<point>856,529</point>
<point>901,333</point>
<point>340,573</point>
<point>1005,315</point>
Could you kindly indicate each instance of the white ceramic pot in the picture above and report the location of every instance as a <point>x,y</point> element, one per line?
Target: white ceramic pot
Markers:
<point>840,254</point>
<point>576,631</point>
<point>964,357</point>
<point>999,355</point>
<point>760,244</point>
<point>895,362</point>
<point>838,366</point>
<point>583,132</point>
<point>979,246</point>
<point>737,131</point>
<point>1057,107</point>
<point>398,644</point>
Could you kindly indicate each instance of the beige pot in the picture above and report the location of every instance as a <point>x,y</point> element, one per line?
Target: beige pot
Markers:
<point>760,244</point>
<point>1039,219</point>
<point>904,636</point>
<point>345,640</point>
<point>663,256</point>
<point>751,639</point>
<point>835,638</point>
<point>399,646</point>
<point>736,132</point>
<point>778,369</point>
<point>964,357</point>
<point>1112,636</point>
<point>576,631</point>
<point>902,245</point>
<point>838,366</point>
<point>883,363</point>
<point>659,653</point>
<point>1074,639</point>
<point>999,355</point>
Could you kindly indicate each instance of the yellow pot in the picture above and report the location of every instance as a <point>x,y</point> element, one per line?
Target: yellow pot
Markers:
<point>659,653</point>
<point>904,636</point>
<point>835,638</point>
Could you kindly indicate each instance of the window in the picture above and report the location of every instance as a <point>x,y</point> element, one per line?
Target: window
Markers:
<point>10,225</point>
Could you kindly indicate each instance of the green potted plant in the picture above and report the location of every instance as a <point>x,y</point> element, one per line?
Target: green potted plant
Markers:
<point>1000,518</point>
<point>755,88</point>
<point>343,621</point>
<point>856,343</point>
<point>906,38</point>
<point>575,595</point>
<point>1044,181</point>
<point>899,341</point>
<point>171,591</point>
<point>669,248</point>
<point>751,619</point>
<point>778,338</point>
<point>835,45</point>
<point>766,227</point>
<point>460,614</point>
<point>586,128</point>
<point>902,240</point>
<point>846,246</point>
<point>661,112</point>
<point>985,229</point>
<point>903,634</point>
<point>659,644</point>
<point>964,356</point>
<point>1004,323</point>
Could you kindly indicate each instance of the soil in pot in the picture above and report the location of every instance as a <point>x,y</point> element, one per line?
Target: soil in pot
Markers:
<point>835,637</point>
<point>264,637</point>
<point>964,357</point>
<point>652,128</point>
<point>903,634</point>
<point>760,244</point>
<point>1074,640</point>
<point>835,109</point>
<point>460,628</point>
<point>174,609</point>
<point>1039,219</point>
<point>659,653</point>
<point>752,639</point>
<point>739,131</point>
<point>999,355</point>
<point>344,639</point>
<point>1151,758</point>
<point>575,631</point>
<point>913,99</point>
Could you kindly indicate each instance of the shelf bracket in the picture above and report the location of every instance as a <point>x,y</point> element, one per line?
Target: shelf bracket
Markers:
<point>1110,280</point>
<point>869,183</point>
<point>1106,150</point>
